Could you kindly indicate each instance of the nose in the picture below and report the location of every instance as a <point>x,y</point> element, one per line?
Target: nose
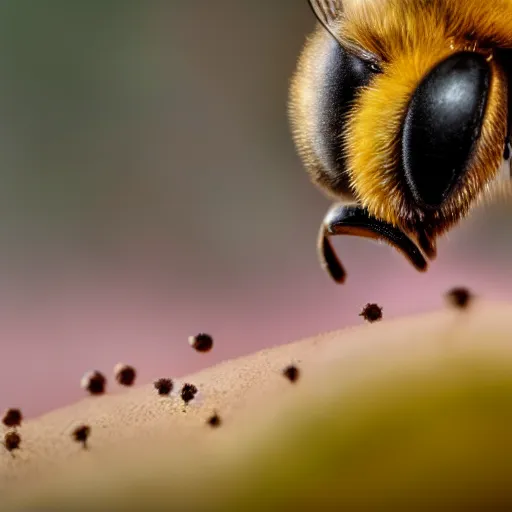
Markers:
<point>442,123</point>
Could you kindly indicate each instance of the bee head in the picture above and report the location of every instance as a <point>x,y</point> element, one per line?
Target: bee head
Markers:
<point>402,106</point>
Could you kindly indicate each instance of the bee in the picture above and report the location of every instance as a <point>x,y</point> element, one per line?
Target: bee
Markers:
<point>399,110</point>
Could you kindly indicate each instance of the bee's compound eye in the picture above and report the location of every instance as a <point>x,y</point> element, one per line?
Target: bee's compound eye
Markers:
<point>338,75</point>
<point>442,124</point>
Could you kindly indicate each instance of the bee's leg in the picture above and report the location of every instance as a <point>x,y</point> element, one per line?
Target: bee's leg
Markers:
<point>354,220</point>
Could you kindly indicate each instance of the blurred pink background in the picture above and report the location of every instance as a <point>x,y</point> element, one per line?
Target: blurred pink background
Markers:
<point>149,190</point>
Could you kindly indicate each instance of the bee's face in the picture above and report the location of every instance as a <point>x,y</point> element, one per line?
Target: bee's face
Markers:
<point>400,107</point>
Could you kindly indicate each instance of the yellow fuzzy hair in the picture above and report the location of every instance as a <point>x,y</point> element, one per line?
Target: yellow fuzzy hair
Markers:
<point>411,37</point>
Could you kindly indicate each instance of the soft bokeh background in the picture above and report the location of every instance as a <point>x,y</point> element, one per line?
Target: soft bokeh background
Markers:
<point>149,189</point>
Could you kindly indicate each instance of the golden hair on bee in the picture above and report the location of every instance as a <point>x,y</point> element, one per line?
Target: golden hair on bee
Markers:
<point>411,38</point>
<point>373,86</point>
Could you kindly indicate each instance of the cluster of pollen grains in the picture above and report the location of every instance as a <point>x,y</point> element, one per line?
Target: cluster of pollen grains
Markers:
<point>458,298</point>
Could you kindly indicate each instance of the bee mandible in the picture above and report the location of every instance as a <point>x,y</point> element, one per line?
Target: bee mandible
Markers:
<point>400,112</point>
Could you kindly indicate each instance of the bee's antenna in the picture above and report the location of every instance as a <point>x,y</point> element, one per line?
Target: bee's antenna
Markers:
<point>326,11</point>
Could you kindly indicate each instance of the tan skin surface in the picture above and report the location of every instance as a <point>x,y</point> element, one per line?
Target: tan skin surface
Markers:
<point>137,428</point>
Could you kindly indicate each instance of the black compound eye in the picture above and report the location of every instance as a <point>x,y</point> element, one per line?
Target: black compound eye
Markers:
<point>442,124</point>
<point>343,75</point>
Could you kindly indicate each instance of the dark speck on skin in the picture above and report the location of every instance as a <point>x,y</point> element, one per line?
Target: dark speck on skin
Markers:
<point>459,297</point>
<point>291,373</point>
<point>12,418</point>
<point>164,386</point>
<point>214,420</point>
<point>201,342</point>
<point>125,374</point>
<point>81,434</point>
<point>188,392</point>
<point>95,383</point>
<point>371,313</point>
<point>12,441</point>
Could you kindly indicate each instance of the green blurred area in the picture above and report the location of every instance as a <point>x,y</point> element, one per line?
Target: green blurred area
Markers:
<point>123,122</point>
